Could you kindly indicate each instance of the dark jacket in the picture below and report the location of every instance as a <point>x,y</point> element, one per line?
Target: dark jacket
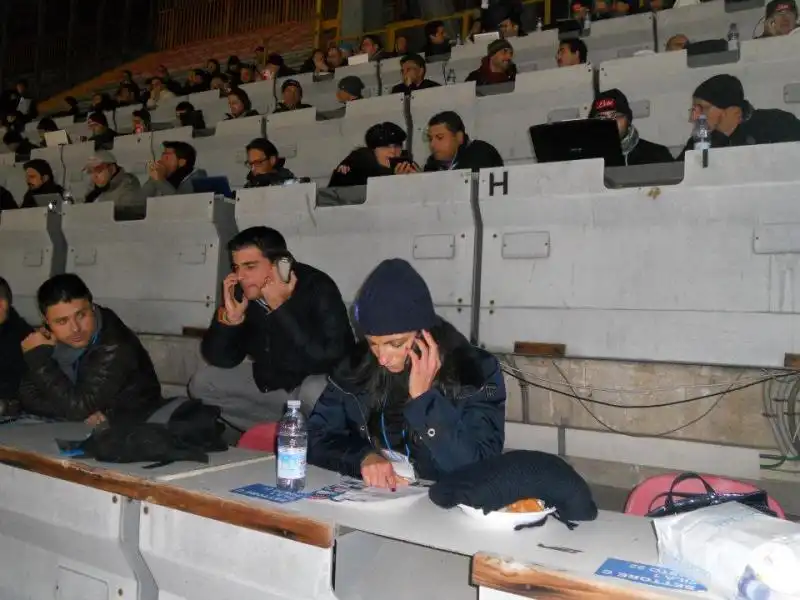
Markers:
<point>49,187</point>
<point>23,151</point>
<point>448,427</point>
<point>359,165</point>
<point>105,140</point>
<point>307,335</point>
<point>648,153</point>
<point>472,154</point>
<point>281,107</point>
<point>12,332</point>
<point>115,376</point>
<point>275,177</point>
<point>764,126</point>
<point>402,88</point>
<point>7,201</point>
<point>485,76</point>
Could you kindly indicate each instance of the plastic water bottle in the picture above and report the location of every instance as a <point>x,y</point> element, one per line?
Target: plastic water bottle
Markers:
<point>451,77</point>
<point>733,37</point>
<point>539,25</point>
<point>701,135</point>
<point>292,449</point>
<point>587,24</point>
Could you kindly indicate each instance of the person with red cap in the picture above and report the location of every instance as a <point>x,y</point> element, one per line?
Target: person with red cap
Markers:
<point>732,119</point>
<point>613,104</point>
<point>415,398</point>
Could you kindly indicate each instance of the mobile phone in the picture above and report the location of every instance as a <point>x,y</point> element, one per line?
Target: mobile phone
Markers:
<point>238,292</point>
<point>284,266</point>
<point>399,160</point>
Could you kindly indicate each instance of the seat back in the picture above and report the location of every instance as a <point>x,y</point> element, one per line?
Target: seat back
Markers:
<point>650,493</point>
<point>262,437</point>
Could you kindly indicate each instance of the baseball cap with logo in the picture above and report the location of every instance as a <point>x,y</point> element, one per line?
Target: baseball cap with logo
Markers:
<point>101,157</point>
<point>781,6</point>
<point>611,101</point>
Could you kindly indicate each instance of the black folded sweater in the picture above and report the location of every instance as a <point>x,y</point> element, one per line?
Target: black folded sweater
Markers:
<point>498,481</point>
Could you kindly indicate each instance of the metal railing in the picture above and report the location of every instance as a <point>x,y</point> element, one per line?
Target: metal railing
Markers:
<point>182,22</point>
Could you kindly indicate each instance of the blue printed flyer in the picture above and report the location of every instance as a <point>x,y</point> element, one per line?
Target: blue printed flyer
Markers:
<point>652,575</point>
<point>269,492</point>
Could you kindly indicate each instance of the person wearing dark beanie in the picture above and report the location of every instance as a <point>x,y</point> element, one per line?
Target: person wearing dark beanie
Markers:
<point>497,66</point>
<point>383,144</point>
<point>613,104</point>
<point>415,399</point>
<point>732,119</point>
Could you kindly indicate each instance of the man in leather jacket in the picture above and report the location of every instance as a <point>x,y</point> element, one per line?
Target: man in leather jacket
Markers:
<point>84,364</point>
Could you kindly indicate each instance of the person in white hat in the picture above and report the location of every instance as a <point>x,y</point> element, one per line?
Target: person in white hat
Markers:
<point>112,184</point>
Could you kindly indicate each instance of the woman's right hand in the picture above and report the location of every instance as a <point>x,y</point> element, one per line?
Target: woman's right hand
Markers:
<point>376,471</point>
<point>234,310</point>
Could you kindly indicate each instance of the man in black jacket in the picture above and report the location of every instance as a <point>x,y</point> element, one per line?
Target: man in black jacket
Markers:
<point>414,70</point>
<point>84,364</point>
<point>451,147</point>
<point>13,329</point>
<point>281,329</point>
<point>733,121</point>
<point>613,104</point>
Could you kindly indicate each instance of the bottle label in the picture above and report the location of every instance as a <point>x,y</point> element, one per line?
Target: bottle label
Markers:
<point>291,463</point>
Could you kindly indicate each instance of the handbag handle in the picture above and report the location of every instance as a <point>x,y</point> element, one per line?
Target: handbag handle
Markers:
<point>670,495</point>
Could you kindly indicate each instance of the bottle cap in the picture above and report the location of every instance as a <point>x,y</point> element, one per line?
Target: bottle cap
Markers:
<point>293,403</point>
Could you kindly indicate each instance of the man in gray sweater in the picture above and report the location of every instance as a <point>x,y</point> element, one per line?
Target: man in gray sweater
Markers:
<point>174,172</point>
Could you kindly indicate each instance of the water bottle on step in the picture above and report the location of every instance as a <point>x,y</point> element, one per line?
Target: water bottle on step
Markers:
<point>292,449</point>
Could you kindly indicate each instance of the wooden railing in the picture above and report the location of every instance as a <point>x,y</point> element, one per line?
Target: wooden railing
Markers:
<point>182,22</point>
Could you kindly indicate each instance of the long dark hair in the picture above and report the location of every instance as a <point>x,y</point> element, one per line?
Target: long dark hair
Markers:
<point>387,393</point>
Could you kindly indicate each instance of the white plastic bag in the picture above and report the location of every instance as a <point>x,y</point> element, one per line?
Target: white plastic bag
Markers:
<point>735,550</point>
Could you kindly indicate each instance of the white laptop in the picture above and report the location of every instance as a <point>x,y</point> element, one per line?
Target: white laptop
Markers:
<point>56,138</point>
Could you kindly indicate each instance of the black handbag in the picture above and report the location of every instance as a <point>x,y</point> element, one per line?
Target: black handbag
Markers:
<point>676,503</point>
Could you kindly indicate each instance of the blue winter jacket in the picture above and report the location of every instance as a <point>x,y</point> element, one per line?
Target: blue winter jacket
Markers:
<point>446,429</point>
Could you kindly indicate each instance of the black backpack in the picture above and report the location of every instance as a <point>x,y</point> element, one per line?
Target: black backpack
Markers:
<point>193,430</point>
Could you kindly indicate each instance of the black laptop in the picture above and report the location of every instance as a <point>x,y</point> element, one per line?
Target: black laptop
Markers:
<point>576,140</point>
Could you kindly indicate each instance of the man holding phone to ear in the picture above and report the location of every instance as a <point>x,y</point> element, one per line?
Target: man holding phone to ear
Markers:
<point>281,328</point>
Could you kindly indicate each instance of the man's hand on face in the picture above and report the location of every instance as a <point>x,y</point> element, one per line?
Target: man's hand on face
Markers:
<point>275,291</point>
<point>157,171</point>
<point>40,337</point>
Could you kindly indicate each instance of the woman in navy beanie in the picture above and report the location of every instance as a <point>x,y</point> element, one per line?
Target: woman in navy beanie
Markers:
<point>415,399</point>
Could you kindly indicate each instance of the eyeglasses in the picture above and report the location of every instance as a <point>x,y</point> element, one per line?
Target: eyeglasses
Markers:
<point>255,163</point>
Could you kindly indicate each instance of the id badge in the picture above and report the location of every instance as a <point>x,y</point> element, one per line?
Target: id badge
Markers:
<point>401,464</point>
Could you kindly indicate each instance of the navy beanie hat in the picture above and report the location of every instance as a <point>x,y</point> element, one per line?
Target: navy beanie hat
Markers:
<point>394,299</point>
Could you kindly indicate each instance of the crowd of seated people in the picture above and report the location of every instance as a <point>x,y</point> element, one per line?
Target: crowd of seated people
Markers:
<point>282,330</point>
<point>731,119</point>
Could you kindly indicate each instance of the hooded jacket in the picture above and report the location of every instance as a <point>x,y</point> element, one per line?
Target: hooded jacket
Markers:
<point>114,375</point>
<point>472,154</point>
<point>307,335</point>
<point>763,126</point>
<point>356,168</point>
<point>12,332</point>
<point>485,76</point>
<point>459,421</point>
